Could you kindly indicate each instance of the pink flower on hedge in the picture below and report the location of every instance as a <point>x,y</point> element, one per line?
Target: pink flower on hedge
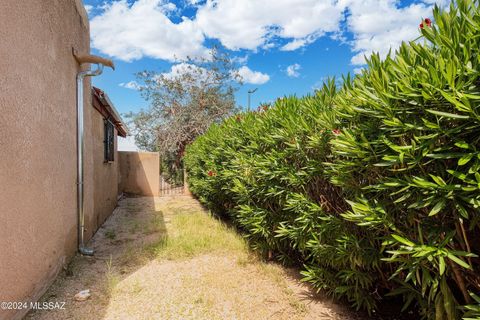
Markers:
<point>427,21</point>
<point>336,131</point>
<point>211,173</point>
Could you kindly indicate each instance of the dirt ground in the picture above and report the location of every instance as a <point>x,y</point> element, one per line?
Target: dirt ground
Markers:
<point>166,258</point>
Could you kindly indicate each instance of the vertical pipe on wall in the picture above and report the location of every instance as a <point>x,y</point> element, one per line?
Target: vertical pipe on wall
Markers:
<point>80,156</point>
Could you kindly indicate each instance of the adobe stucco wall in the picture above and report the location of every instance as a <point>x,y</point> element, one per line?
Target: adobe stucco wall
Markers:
<point>139,172</point>
<point>38,218</point>
<point>105,176</point>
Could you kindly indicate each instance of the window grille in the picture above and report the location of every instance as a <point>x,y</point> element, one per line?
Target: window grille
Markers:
<point>109,141</point>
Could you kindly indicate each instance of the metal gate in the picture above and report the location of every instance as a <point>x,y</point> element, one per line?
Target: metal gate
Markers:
<point>172,182</point>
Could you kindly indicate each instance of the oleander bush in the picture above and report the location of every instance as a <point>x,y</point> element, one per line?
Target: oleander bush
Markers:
<point>373,187</point>
<point>265,171</point>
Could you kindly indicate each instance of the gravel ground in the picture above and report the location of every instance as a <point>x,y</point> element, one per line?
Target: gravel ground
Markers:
<point>166,258</point>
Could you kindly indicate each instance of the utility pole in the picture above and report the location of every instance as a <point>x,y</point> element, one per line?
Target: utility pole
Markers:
<point>249,94</point>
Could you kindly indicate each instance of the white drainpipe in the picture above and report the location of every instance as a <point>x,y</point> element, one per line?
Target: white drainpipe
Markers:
<point>100,62</point>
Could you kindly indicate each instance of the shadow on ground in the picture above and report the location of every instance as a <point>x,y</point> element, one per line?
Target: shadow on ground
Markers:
<point>136,223</point>
<point>167,258</point>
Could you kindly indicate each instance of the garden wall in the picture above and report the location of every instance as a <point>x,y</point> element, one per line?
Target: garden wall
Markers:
<point>139,173</point>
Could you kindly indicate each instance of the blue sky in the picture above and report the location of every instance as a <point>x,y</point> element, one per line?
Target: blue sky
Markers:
<point>284,47</point>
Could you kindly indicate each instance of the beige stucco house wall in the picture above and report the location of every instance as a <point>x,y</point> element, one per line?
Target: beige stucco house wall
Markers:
<point>105,174</point>
<point>105,178</point>
<point>38,215</point>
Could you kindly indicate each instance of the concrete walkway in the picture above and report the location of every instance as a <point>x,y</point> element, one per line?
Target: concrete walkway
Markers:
<point>166,258</point>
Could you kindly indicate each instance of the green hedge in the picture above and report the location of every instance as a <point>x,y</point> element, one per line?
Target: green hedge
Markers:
<point>374,187</point>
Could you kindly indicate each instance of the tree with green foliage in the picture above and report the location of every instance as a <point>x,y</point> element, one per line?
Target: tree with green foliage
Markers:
<point>184,103</point>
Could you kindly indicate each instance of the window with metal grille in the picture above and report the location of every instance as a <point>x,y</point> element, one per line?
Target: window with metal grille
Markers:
<point>109,141</point>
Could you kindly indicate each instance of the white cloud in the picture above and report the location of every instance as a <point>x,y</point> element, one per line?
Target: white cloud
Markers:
<point>169,7</point>
<point>194,73</point>
<point>193,2</point>
<point>357,70</point>
<point>253,77</point>
<point>251,24</point>
<point>441,3</point>
<point>379,25</point>
<point>133,30</point>
<point>248,75</point>
<point>88,8</point>
<point>294,45</point>
<point>143,29</point>
<point>240,60</point>
<point>127,144</point>
<point>292,70</point>
<point>130,30</point>
<point>130,85</point>
<point>179,69</point>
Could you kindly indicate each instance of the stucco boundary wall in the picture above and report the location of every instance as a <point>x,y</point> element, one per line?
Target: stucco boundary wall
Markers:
<point>139,173</point>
